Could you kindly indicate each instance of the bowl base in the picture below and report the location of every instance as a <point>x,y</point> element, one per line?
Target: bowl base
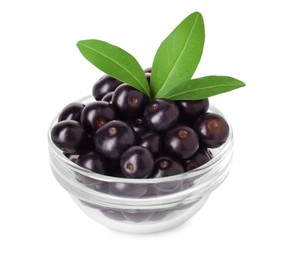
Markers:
<point>141,222</point>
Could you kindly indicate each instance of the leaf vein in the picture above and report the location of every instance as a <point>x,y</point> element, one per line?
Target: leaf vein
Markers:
<point>180,54</point>
<point>120,66</point>
<point>194,90</point>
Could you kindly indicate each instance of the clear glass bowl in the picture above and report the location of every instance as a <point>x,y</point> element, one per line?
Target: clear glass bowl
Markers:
<point>141,205</point>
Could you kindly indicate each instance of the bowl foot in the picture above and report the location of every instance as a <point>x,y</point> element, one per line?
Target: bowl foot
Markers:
<point>141,222</point>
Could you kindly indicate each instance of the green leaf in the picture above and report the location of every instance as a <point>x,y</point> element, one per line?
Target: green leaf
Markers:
<point>115,62</point>
<point>201,88</point>
<point>179,54</point>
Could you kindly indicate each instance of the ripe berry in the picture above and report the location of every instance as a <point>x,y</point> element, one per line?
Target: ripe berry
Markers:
<point>137,162</point>
<point>138,216</point>
<point>147,69</point>
<point>191,109</point>
<point>96,114</point>
<point>181,142</point>
<point>199,158</point>
<point>212,129</point>
<point>97,164</point>
<point>71,157</point>
<point>104,85</point>
<point>152,141</point>
<point>128,101</point>
<point>116,172</point>
<point>112,139</point>
<point>93,162</point>
<point>161,114</point>
<point>122,189</point>
<point>148,76</point>
<point>108,97</point>
<point>71,112</point>
<point>139,126</point>
<point>69,136</point>
<point>166,166</point>
<point>113,214</point>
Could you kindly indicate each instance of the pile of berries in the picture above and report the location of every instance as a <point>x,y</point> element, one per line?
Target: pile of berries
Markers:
<point>123,134</point>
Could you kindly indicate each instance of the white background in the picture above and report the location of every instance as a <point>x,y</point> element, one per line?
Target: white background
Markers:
<point>41,70</point>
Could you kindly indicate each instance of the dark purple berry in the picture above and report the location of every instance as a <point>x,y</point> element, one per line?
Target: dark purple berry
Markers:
<point>97,185</point>
<point>152,141</point>
<point>191,109</point>
<point>212,129</point>
<point>105,85</point>
<point>113,214</point>
<point>148,76</point>
<point>96,114</point>
<point>116,172</point>
<point>123,189</point>
<point>161,115</point>
<point>114,169</point>
<point>201,157</point>
<point>137,162</point>
<point>147,70</point>
<point>139,126</point>
<point>159,215</point>
<point>128,101</point>
<point>167,187</point>
<point>86,147</point>
<point>112,139</point>
<point>108,97</point>
<point>71,112</point>
<point>69,136</point>
<point>138,216</point>
<point>165,166</point>
<point>72,157</point>
<point>93,162</point>
<point>181,142</point>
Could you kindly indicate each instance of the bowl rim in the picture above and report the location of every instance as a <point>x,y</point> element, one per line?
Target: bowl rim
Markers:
<point>105,178</point>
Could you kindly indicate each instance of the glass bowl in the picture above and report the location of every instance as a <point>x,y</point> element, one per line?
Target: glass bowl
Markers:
<point>141,205</point>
